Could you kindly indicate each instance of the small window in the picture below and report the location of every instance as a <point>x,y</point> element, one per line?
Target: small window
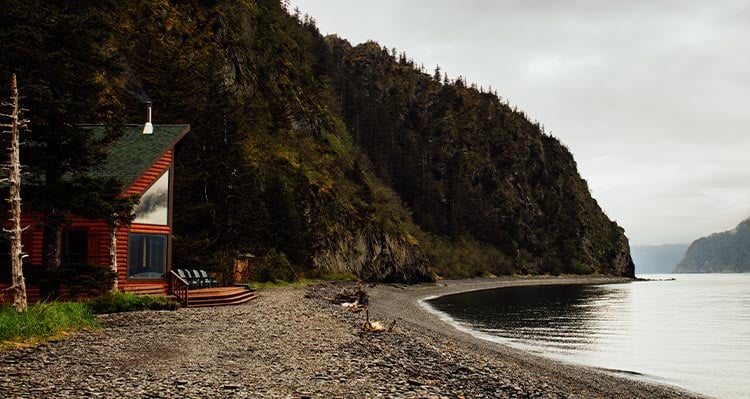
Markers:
<point>154,205</point>
<point>147,256</point>
<point>75,246</point>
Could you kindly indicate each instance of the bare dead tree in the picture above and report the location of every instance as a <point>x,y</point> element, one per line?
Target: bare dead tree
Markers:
<point>113,252</point>
<point>14,184</point>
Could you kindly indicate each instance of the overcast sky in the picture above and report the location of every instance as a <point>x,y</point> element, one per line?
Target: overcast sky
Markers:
<point>650,96</point>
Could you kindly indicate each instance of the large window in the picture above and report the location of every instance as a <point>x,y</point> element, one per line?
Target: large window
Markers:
<point>147,255</point>
<point>154,205</point>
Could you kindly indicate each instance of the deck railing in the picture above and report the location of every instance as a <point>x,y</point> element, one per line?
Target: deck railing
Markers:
<point>178,287</point>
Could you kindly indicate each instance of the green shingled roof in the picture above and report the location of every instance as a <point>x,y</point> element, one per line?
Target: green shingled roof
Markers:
<point>133,153</point>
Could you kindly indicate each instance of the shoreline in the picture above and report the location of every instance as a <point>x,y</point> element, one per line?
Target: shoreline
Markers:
<point>285,345</point>
<point>405,304</point>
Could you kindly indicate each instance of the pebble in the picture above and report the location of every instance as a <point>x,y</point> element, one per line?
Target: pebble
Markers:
<point>281,345</point>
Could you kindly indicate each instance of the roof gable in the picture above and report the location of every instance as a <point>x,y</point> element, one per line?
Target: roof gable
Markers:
<point>134,152</point>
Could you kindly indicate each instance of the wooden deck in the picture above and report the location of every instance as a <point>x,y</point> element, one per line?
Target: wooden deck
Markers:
<point>144,289</point>
<point>220,296</point>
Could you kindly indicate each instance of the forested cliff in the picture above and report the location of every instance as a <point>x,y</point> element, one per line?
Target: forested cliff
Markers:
<point>312,154</point>
<point>726,252</point>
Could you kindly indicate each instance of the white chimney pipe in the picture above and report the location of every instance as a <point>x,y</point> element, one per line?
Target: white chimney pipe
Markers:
<point>148,128</point>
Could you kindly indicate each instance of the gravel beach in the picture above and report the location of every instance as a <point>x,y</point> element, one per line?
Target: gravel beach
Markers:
<point>284,345</point>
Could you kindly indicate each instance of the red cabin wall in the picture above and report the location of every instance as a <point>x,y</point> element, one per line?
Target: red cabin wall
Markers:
<point>137,188</point>
<point>147,178</point>
<point>98,239</point>
<point>99,233</point>
<point>122,254</point>
<point>31,239</point>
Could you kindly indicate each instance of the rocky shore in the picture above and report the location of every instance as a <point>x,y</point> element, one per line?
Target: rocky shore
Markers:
<point>283,345</point>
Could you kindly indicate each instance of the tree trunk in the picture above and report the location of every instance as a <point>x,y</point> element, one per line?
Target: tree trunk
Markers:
<point>51,237</point>
<point>14,183</point>
<point>51,252</point>
<point>113,253</point>
<point>54,220</point>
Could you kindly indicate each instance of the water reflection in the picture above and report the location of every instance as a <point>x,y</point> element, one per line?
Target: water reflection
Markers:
<point>691,332</point>
<point>560,318</point>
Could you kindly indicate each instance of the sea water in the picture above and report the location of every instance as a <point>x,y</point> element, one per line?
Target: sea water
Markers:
<point>692,332</point>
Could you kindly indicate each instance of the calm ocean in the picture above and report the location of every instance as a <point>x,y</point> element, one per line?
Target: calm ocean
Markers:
<point>693,332</point>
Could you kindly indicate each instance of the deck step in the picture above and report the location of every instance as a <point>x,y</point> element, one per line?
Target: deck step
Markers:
<point>221,296</point>
<point>144,289</point>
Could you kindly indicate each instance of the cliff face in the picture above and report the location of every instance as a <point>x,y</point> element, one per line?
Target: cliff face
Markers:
<point>374,255</point>
<point>727,252</point>
<point>334,158</point>
<point>471,167</point>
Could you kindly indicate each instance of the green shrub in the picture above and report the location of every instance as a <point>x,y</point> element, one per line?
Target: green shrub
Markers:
<point>273,266</point>
<point>44,320</point>
<point>582,268</point>
<point>115,302</point>
<point>83,280</point>
<point>86,280</point>
<point>465,258</point>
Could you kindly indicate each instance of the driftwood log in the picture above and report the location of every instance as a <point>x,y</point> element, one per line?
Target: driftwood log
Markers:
<point>355,299</point>
<point>358,296</point>
<point>376,326</point>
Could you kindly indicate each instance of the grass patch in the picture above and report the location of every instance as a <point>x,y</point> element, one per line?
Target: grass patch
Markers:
<point>115,302</point>
<point>259,285</point>
<point>43,321</point>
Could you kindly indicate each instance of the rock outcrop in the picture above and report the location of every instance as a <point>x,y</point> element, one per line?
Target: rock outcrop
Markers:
<point>375,255</point>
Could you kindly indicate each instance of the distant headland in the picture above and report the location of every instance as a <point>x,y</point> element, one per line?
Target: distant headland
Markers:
<point>726,252</point>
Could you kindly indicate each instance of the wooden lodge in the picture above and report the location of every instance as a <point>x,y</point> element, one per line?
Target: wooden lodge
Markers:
<point>142,159</point>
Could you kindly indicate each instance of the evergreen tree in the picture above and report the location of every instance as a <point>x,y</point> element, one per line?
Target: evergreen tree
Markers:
<point>278,116</point>
<point>63,49</point>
